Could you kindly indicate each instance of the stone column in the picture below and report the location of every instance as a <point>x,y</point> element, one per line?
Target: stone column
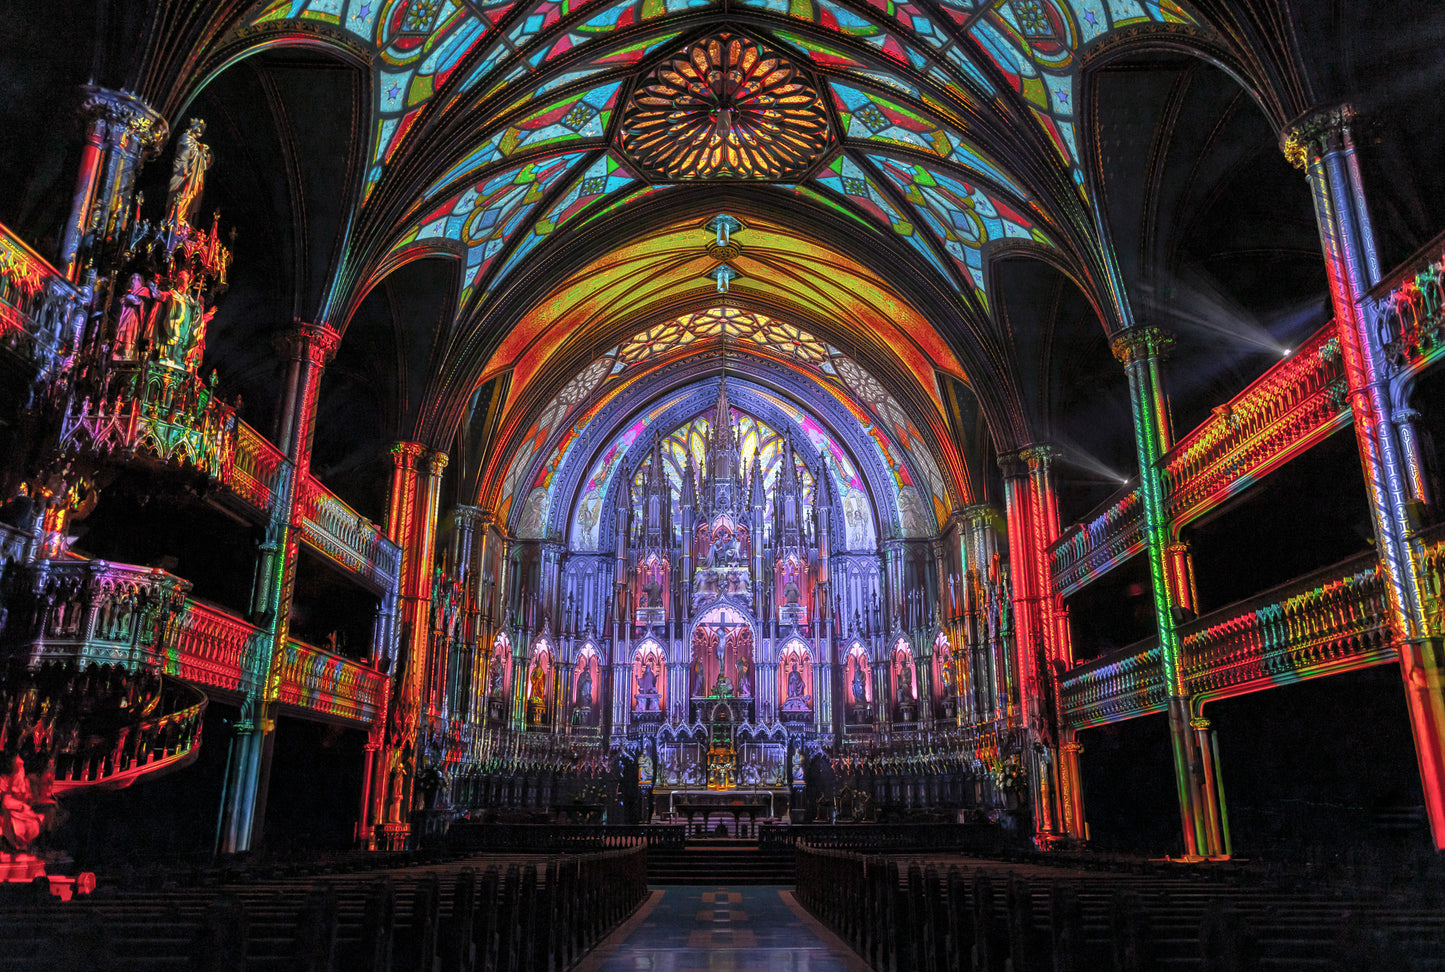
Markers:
<point>1321,143</point>
<point>1140,350</point>
<point>311,347</point>
<point>121,132</point>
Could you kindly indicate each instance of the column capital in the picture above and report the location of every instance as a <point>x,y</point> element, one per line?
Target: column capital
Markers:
<point>436,462</point>
<point>1139,343</point>
<point>1317,132</point>
<point>1200,722</point>
<point>1013,465</point>
<point>404,454</point>
<point>126,118</point>
<point>301,341</point>
<point>1039,456</point>
<point>477,516</point>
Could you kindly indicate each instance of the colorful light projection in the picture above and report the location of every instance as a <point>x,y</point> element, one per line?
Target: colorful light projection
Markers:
<point>962,216</point>
<point>898,441</point>
<point>485,217</point>
<point>725,107</point>
<point>649,679</point>
<point>795,677</point>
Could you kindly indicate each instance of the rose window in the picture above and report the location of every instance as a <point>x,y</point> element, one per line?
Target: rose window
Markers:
<point>726,107</point>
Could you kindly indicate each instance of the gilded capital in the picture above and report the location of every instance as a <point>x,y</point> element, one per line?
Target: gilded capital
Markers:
<point>1140,343</point>
<point>436,462</point>
<point>404,454</point>
<point>1316,133</point>
<point>1013,464</point>
<point>1039,457</point>
<point>124,120</point>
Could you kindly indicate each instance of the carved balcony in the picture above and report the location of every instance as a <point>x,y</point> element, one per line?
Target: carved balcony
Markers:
<point>1112,534</point>
<point>347,538</point>
<point>215,649</point>
<point>91,612</point>
<point>1408,308</point>
<point>330,686</point>
<point>1334,620</point>
<point>40,311</point>
<point>255,471</point>
<point>1289,409</point>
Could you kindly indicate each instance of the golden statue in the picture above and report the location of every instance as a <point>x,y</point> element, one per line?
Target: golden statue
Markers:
<point>188,174</point>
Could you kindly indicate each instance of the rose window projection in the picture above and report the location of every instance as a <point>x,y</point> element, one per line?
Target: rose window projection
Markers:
<point>726,107</point>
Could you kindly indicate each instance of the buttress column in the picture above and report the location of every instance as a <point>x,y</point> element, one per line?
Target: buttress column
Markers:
<point>1321,143</point>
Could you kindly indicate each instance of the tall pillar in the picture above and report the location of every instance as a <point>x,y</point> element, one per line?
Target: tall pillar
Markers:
<point>309,347</point>
<point>1321,143</point>
<point>1140,349</point>
<point>390,760</point>
<point>121,132</point>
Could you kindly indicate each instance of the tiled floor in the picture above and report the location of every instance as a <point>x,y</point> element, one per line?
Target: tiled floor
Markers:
<point>711,929</point>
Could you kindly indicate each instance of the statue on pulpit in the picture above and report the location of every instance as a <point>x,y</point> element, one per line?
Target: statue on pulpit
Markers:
<point>181,329</point>
<point>188,174</point>
<point>133,321</point>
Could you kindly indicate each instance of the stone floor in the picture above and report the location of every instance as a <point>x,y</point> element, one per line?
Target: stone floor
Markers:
<point>719,929</point>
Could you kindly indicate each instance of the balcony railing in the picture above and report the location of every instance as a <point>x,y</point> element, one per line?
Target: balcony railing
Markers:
<point>347,538</point>
<point>39,309</point>
<point>255,471</point>
<point>320,682</point>
<point>1107,538</point>
<point>212,648</point>
<point>121,756</point>
<point>91,612</point>
<point>1286,411</point>
<point>1331,621</point>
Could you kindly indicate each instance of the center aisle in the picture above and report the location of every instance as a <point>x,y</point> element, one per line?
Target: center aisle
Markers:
<point>722,929</point>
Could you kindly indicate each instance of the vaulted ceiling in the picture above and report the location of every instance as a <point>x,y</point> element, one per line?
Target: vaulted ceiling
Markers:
<point>965,197</point>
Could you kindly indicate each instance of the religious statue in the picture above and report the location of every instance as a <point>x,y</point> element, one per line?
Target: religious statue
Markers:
<point>699,677</point>
<point>188,174</point>
<point>494,686</point>
<point>795,682</point>
<point>647,681</point>
<point>644,768</point>
<point>797,767</point>
<point>743,669</point>
<point>131,323</point>
<point>537,690</point>
<point>947,675</point>
<point>19,823</point>
<point>584,686</point>
<point>182,329</point>
<point>905,682</point>
<point>652,593</point>
<point>790,591</point>
<point>860,687</point>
